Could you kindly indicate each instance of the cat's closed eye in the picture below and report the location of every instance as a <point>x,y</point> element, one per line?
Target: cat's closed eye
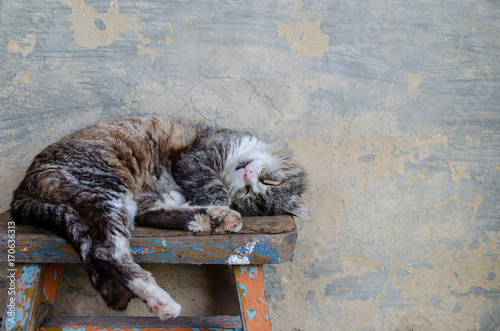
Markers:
<point>242,165</point>
<point>270,182</point>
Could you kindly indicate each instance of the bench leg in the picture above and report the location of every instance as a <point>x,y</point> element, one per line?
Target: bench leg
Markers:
<point>51,282</point>
<point>253,299</point>
<point>34,295</point>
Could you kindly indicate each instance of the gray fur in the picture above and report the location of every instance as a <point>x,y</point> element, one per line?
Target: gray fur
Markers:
<point>93,185</point>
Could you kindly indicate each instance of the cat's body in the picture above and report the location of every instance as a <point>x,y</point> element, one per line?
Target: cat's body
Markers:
<point>92,186</point>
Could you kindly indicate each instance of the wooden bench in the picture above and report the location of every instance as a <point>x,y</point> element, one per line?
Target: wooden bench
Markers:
<point>35,257</point>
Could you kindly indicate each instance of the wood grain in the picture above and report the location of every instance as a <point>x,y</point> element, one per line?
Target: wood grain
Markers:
<point>263,240</point>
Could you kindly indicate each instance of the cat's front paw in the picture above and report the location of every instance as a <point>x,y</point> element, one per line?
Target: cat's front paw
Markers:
<point>216,219</point>
<point>223,219</point>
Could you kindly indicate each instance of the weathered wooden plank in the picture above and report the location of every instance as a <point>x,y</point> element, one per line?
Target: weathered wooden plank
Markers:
<point>212,323</point>
<point>51,281</point>
<point>253,298</point>
<point>150,245</point>
<point>267,224</point>
<point>21,313</point>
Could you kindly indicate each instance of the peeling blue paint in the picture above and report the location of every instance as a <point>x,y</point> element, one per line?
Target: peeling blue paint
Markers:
<point>141,250</point>
<point>493,294</point>
<point>394,298</point>
<point>457,309</point>
<point>434,302</point>
<point>251,313</point>
<point>367,158</point>
<point>491,276</point>
<point>329,99</point>
<point>349,288</point>
<point>253,272</point>
<point>244,288</point>
<point>30,274</point>
<point>321,266</point>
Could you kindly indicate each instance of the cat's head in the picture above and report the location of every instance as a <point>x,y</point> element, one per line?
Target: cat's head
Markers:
<point>268,182</point>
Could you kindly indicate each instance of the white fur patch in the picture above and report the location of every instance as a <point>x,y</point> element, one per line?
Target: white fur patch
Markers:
<point>247,149</point>
<point>201,223</point>
<point>127,204</point>
<point>130,205</point>
<point>169,200</point>
<point>122,247</point>
<point>158,301</point>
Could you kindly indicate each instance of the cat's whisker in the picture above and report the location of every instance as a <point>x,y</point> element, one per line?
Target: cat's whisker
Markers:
<point>268,210</point>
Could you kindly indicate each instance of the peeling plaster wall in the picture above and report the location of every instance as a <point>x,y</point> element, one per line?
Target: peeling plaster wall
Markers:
<point>392,106</point>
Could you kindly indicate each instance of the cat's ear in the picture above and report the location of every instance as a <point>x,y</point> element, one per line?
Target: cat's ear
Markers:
<point>298,208</point>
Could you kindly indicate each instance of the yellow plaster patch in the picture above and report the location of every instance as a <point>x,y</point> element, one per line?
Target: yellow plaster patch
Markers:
<point>393,98</point>
<point>26,78</point>
<point>452,273</point>
<point>29,41</point>
<point>171,28</point>
<point>306,38</point>
<point>414,82</point>
<point>360,159</point>
<point>143,50</point>
<point>458,171</point>
<point>144,40</point>
<point>86,31</point>
<point>415,179</point>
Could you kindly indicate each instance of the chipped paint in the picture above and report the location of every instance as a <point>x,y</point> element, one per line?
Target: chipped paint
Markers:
<point>241,258</point>
<point>171,29</point>
<point>236,259</point>
<point>26,47</point>
<point>398,132</point>
<point>458,171</point>
<point>20,316</point>
<point>414,82</point>
<point>144,50</point>
<point>306,38</point>
<point>252,296</point>
<point>92,29</point>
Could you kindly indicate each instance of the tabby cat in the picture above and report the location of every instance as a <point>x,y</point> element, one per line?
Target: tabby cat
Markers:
<point>92,186</point>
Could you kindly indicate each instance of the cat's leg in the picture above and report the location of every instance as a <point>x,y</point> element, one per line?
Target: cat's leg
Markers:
<point>83,236</point>
<point>192,218</point>
<point>101,236</point>
<point>115,257</point>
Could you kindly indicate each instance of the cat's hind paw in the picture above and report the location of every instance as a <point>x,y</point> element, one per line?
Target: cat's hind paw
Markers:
<point>166,310</point>
<point>162,304</point>
<point>157,299</point>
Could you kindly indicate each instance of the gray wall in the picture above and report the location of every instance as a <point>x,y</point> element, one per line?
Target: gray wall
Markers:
<point>393,107</point>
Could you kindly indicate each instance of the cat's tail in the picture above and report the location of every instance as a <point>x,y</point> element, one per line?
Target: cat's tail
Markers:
<point>64,220</point>
<point>31,211</point>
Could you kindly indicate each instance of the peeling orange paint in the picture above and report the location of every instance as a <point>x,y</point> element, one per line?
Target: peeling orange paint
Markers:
<point>252,293</point>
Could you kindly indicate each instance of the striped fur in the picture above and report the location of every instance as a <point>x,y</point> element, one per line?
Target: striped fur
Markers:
<point>92,186</point>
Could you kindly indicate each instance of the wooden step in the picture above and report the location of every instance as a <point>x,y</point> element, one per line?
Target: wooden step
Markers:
<point>263,240</point>
<point>226,323</point>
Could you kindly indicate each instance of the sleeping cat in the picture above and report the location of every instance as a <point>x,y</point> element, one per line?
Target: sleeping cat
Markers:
<point>92,186</point>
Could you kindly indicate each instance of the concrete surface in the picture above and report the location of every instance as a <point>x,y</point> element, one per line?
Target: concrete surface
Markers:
<point>393,107</point>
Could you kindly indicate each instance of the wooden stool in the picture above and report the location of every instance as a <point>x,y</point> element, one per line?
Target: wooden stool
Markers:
<point>35,258</point>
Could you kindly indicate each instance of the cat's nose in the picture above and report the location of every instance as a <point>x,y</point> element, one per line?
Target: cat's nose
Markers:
<point>249,175</point>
